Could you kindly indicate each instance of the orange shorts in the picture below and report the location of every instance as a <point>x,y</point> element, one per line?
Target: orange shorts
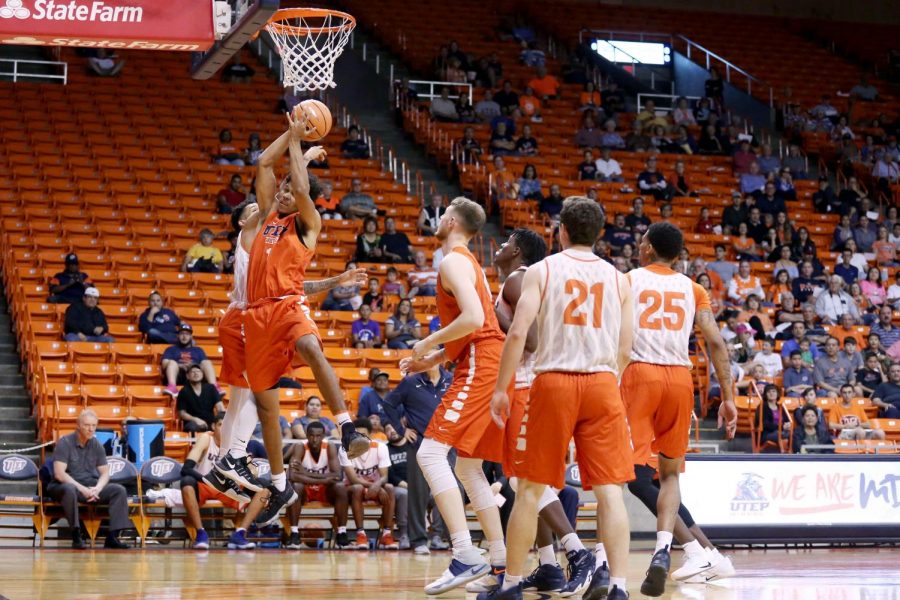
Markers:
<point>659,400</point>
<point>316,493</point>
<point>271,329</point>
<point>514,433</point>
<point>231,338</point>
<point>207,493</point>
<point>463,418</point>
<point>588,407</point>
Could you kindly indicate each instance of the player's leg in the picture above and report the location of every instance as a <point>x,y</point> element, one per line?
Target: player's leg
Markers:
<point>481,497</point>
<point>357,495</point>
<point>238,539</point>
<point>239,423</point>
<point>388,505</point>
<point>552,520</point>
<point>191,502</point>
<point>337,496</point>
<point>293,515</point>
<point>522,529</point>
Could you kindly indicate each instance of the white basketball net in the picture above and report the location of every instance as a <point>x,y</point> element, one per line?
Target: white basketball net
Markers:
<point>309,46</point>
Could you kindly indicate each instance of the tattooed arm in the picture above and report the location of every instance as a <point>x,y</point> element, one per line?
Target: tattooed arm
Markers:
<point>357,277</point>
<point>718,353</point>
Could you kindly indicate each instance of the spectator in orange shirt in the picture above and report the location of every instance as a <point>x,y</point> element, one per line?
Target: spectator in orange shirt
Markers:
<point>743,284</point>
<point>850,419</point>
<point>503,180</point>
<point>326,203</point>
<point>545,86</point>
<point>699,267</point>
<point>227,153</point>
<point>530,104</point>
<point>590,98</point>
<point>781,285</point>
<point>885,251</point>
<point>753,314</point>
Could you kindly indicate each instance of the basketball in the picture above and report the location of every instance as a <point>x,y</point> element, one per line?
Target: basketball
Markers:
<point>318,119</point>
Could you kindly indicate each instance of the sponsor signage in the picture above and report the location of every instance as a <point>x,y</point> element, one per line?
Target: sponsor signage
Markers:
<point>185,25</point>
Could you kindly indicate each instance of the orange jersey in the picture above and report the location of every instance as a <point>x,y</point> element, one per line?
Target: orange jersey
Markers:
<point>278,260</point>
<point>448,310</point>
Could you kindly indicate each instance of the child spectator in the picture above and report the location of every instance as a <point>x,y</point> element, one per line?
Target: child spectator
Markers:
<point>870,376</point>
<point>365,332</point>
<point>587,170</point>
<point>393,286</point>
<point>373,298</point>
<point>797,377</point>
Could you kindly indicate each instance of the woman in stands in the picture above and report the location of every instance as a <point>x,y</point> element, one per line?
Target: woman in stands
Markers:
<point>714,89</point>
<point>885,251</point>
<point>715,298</point>
<point>710,142</point>
<point>227,153</point>
<point>802,244</point>
<point>683,115</point>
<point>785,263</point>
<point>313,414</point>
<point>590,99</point>
<point>530,184</point>
<point>873,288</point>
<point>775,426</point>
<point>158,323</point>
<point>402,330</point>
<point>862,303</point>
<point>744,246</point>
<point>781,285</point>
<point>809,431</point>
<point>367,243</point>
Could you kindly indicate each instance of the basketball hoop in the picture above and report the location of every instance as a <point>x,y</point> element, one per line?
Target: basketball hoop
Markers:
<point>309,40</point>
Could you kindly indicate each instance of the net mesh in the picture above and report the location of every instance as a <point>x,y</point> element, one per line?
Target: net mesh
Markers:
<point>309,46</point>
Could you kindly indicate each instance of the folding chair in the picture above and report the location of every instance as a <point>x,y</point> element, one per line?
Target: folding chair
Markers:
<point>163,471</point>
<point>19,468</point>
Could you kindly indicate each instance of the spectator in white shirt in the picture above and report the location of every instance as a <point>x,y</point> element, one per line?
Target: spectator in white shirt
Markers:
<point>608,168</point>
<point>893,293</point>
<point>834,302</point>
<point>770,361</point>
<point>443,108</point>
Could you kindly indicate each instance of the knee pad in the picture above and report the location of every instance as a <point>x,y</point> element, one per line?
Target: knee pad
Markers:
<point>188,481</point>
<point>547,498</point>
<point>475,483</point>
<point>432,459</point>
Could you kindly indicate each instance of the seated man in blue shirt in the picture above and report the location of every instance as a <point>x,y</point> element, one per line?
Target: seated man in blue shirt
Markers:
<point>371,402</point>
<point>796,378</point>
<point>798,331</point>
<point>179,357</point>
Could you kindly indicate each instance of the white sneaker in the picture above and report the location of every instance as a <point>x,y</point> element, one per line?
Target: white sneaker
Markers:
<point>488,583</point>
<point>422,550</point>
<point>721,569</point>
<point>469,567</point>
<point>693,565</point>
<point>154,494</point>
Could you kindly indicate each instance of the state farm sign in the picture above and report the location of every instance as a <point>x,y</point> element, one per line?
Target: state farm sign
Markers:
<point>141,24</point>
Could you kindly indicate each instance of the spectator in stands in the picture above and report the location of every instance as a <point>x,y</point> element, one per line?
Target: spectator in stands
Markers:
<point>810,431</point>
<point>68,286</point>
<point>469,147</point>
<point>885,251</point>
<point>870,376</point>
<point>833,371</point>
<point>353,146</point>
<point>832,304</point>
<point>465,110</point>
<point>529,184</point>
<point>753,314</point>
<point>198,402</point>
<point>653,182</point>
<point>588,136</point>
<point>734,215</point>
<point>649,119</point>
<point>774,427</point>
<point>887,395</point>
<point>443,108</point>
<point>873,288</point>
<point>893,293</point>
<point>502,142</point>
<point>752,181</point>
<point>227,153</point>
<point>849,418</point>
<point>526,145</point>
<point>797,378</point>
<point>372,401</point>
<point>710,143</point>
<point>368,243</point>
<point>795,162</point>
<point>402,330</point>
<point>590,98</point>
<point>743,245</point>
<point>852,198</point>
<point>530,105</point>
<point>326,203</point>
<point>714,89</point>
<point>253,150</point>
<point>487,108</point>
<point>238,72</point>
<point>784,185</point>
<point>85,321</point>
<point>608,168</point>
<point>864,235</point>
<point>824,199</point>
<point>587,168</point>
<point>613,99</point>
<point>842,233</point>
<point>177,358</point>
<point>766,161</point>
<point>864,90</point>
<point>81,474</point>
<point>744,158</point>
<point>531,55</point>
<point>637,140</point>
<point>681,187</point>
<point>618,234</point>
<point>637,221</point>
<point>105,63</point>
<point>423,278</point>
<point>343,297</point>
<point>357,204</point>
<point>399,447</point>
<point>743,284</point>
<point>769,202</point>
<point>683,143</point>
<point>395,245</point>
<point>312,414</point>
<point>365,332</point>
<point>781,285</point>
<point>203,257</point>
<point>682,113</point>
<point>786,263</point>
<point>158,323</point>
<point>431,214</point>
<point>454,72</point>
<point>373,298</point>
<point>721,266</point>
<point>507,98</point>
<point>886,172</point>
<point>231,196</point>
<point>545,86</point>
<point>609,138</point>
<point>551,204</point>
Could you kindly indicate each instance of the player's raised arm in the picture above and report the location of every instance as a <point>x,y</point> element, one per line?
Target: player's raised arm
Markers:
<point>719,355</point>
<point>351,277</point>
<point>300,187</point>
<point>626,332</point>
<point>458,278</point>
<point>266,184</point>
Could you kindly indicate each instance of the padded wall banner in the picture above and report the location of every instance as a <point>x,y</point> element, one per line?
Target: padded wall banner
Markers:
<point>185,25</point>
<point>796,492</point>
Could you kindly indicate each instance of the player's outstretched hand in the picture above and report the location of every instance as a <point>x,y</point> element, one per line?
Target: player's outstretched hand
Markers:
<point>352,277</point>
<point>411,366</point>
<point>500,408</point>
<point>297,125</point>
<point>728,416</point>
<point>316,153</point>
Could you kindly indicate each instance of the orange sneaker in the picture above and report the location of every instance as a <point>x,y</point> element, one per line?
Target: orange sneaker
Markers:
<point>387,542</point>
<point>362,541</point>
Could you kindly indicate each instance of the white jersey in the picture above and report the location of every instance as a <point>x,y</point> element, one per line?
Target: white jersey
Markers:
<point>665,305</point>
<point>525,370</point>
<point>212,454</point>
<point>367,465</point>
<point>241,261</point>
<point>580,315</point>
<point>311,464</point>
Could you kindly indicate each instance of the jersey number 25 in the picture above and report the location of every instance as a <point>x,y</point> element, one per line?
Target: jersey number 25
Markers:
<point>667,303</point>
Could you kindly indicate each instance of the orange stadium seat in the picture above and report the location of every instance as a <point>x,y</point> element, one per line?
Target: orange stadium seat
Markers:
<point>95,373</point>
<point>138,374</point>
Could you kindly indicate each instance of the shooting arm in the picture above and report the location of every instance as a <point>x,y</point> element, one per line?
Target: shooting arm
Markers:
<point>265,173</point>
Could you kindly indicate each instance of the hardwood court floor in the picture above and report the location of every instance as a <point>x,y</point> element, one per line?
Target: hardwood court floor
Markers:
<point>165,574</point>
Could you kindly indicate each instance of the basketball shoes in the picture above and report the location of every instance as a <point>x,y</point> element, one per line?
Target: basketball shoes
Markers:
<point>655,581</point>
<point>468,566</point>
<point>238,471</point>
<point>599,586</point>
<point>489,582</point>
<point>225,486</point>
<point>545,578</point>
<point>278,499</point>
<point>580,572</point>
<point>721,569</point>
<point>355,444</point>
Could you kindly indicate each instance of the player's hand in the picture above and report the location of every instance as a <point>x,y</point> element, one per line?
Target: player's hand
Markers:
<point>297,124</point>
<point>728,417</point>
<point>421,349</point>
<point>500,408</point>
<point>411,366</point>
<point>316,153</point>
<point>353,277</point>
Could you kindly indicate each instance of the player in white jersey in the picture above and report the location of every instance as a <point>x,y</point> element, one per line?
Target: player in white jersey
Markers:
<point>583,310</point>
<point>314,469</point>
<point>657,386</point>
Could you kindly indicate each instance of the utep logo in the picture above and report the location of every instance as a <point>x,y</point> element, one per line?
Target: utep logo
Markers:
<point>12,465</point>
<point>14,10</point>
<point>273,233</point>
<point>749,496</point>
<point>116,467</point>
<point>161,468</point>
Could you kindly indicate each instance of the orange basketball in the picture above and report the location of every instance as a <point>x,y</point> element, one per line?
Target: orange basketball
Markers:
<point>318,119</point>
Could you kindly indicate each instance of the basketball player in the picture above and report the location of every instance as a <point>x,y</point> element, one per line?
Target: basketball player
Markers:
<point>277,324</point>
<point>241,417</point>
<point>473,340</point>
<point>657,385</point>
<point>315,472</point>
<point>523,249</point>
<point>582,305</point>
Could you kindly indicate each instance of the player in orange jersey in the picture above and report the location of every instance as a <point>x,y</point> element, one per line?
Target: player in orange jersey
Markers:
<point>473,340</point>
<point>657,384</point>
<point>582,306</point>
<point>277,323</point>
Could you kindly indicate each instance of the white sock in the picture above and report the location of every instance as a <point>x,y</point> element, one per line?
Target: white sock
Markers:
<point>617,582</point>
<point>663,540</point>
<point>342,529</point>
<point>228,425</point>
<point>245,422</point>
<point>279,481</point>
<point>599,554</point>
<point>461,540</point>
<point>295,529</point>
<point>342,418</point>
<point>497,549</point>
<point>387,530</point>
<point>240,530</point>
<point>571,542</point>
<point>511,581</point>
<point>546,555</point>
<point>693,548</point>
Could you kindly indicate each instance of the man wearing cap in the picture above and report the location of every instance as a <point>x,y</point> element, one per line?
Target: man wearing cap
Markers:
<point>85,322</point>
<point>198,402</point>
<point>371,402</point>
<point>178,357</point>
<point>68,287</point>
<point>735,214</point>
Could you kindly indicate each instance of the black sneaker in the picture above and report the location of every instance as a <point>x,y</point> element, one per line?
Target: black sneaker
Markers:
<point>579,571</point>
<point>355,444</point>
<point>513,593</point>
<point>616,593</point>
<point>655,581</point>
<point>113,543</point>
<point>293,542</point>
<point>546,578</point>
<point>342,541</point>
<point>277,501</point>
<point>238,471</point>
<point>226,486</point>
<point>78,540</point>
<point>599,584</point>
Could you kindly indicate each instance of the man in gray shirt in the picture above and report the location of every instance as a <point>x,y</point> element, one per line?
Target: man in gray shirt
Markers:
<point>356,204</point>
<point>724,268</point>
<point>80,474</point>
<point>487,109</point>
<point>833,370</point>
